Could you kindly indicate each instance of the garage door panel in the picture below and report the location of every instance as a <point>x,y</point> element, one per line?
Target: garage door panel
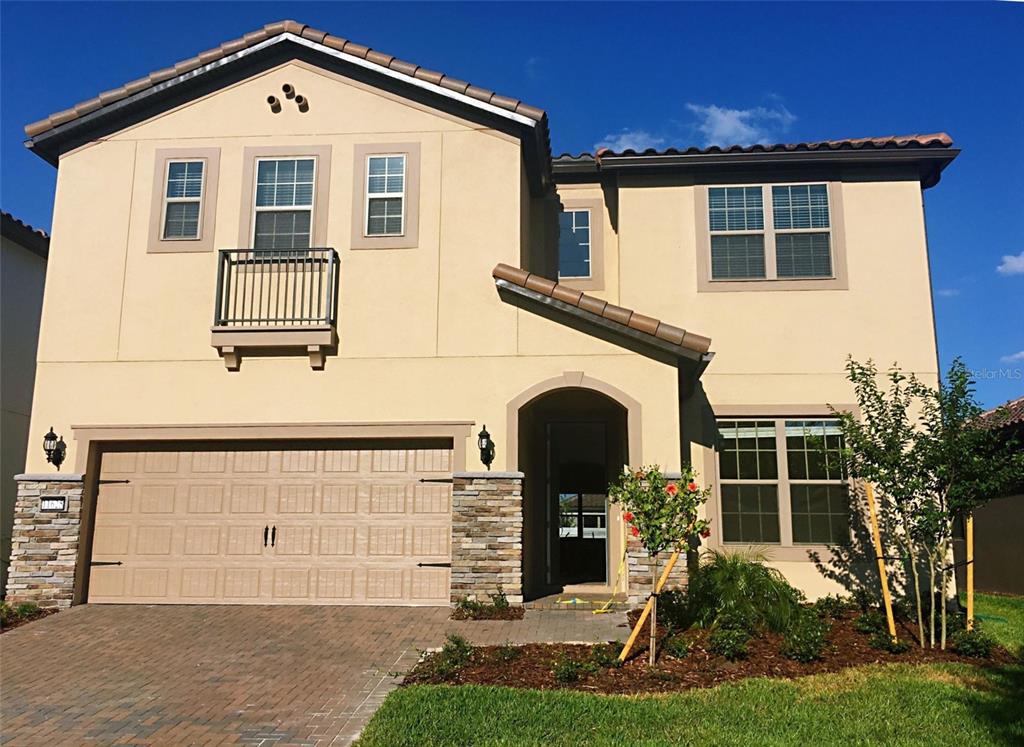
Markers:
<point>195,526</point>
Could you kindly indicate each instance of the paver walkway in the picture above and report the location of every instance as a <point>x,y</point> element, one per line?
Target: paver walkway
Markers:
<point>179,675</point>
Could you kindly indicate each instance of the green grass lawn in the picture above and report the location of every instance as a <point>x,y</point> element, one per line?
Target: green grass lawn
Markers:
<point>899,704</point>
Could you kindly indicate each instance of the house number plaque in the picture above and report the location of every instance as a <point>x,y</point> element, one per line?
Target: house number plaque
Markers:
<point>53,503</point>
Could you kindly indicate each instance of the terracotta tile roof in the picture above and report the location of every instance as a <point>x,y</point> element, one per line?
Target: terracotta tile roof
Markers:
<point>260,35</point>
<point>1014,414</point>
<point>34,239</point>
<point>628,318</point>
<point>933,140</point>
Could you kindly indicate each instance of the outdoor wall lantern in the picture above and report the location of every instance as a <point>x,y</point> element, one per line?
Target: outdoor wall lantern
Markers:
<point>486,447</point>
<point>54,447</point>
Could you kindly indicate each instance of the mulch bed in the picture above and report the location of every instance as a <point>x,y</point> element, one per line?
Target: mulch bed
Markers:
<point>533,667</point>
<point>15,622</point>
<point>489,613</point>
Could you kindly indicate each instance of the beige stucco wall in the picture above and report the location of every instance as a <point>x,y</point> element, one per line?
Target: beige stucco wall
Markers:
<point>22,276</point>
<point>424,336</point>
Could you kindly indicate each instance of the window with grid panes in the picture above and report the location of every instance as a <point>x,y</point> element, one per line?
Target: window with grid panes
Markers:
<point>748,474</point>
<point>284,203</point>
<point>818,490</point>
<point>183,200</point>
<point>385,195</point>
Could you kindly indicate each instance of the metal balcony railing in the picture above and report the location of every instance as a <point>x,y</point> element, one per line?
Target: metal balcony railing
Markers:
<point>279,287</point>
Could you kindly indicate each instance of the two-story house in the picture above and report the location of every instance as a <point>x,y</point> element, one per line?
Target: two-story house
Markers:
<point>292,279</point>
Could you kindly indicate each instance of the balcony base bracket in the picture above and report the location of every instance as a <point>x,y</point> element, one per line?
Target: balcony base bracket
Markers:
<point>316,341</point>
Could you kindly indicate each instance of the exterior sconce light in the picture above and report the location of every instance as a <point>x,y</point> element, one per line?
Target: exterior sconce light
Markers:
<point>54,447</point>
<point>483,440</point>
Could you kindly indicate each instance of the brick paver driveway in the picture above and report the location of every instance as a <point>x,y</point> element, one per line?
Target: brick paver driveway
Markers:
<point>179,675</point>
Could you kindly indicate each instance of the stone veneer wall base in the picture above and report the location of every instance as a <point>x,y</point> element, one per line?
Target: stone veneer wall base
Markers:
<point>487,535</point>
<point>44,545</point>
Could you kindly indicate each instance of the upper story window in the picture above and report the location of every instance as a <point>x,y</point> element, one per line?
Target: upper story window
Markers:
<point>283,211</point>
<point>782,482</point>
<point>771,233</point>
<point>183,200</point>
<point>574,244</point>
<point>385,195</point>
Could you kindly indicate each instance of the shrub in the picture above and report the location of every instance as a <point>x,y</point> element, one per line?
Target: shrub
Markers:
<point>738,589</point>
<point>869,622</point>
<point>499,601</point>
<point>833,606</point>
<point>730,643</point>
<point>677,647</point>
<point>864,598</point>
<point>882,641</point>
<point>7,613</point>
<point>567,670</point>
<point>973,643</point>
<point>26,609</point>
<point>806,637</point>
<point>508,652</point>
<point>605,655</point>
<point>469,605</point>
<point>455,654</point>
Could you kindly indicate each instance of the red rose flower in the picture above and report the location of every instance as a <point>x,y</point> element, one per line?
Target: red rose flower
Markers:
<point>692,487</point>
<point>705,533</point>
<point>628,516</point>
<point>635,531</point>
<point>671,489</point>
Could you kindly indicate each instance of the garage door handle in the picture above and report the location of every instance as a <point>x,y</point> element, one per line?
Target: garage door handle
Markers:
<point>273,536</point>
<point>266,531</point>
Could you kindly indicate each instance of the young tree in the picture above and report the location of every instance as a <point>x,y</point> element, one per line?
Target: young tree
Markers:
<point>663,515</point>
<point>932,459</point>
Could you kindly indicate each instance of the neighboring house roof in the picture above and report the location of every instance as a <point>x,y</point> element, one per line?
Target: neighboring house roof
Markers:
<point>189,69</point>
<point>629,328</point>
<point>35,240</point>
<point>933,152</point>
<point>1010,413</point>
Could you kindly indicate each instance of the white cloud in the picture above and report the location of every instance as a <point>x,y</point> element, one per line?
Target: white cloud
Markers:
<point>1015,358</point>
<point>723,126</point>
<point>948,292</point>
<point>638,140</point>
<point>1011,265</point>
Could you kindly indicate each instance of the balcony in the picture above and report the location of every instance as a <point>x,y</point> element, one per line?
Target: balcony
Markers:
<point>276,302</point>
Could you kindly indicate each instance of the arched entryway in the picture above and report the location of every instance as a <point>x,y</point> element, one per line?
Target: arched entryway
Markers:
<point>571,442</point>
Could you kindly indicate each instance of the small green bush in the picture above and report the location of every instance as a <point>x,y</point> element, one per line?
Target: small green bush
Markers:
<point>469,605</point>
<point>863,598</point>
<point>882,641</point>
<point>7,613</point>
<point>606,655</point>
<point>730,643</point>
<point>26,609</point>
<point>499,601</point>
<point>869,622</point>
<point>833,606</point>
<point>677,647</point>
<point>508,652</point>
<point>806,637</point>
<point>973,643</point>
<point>567,670</point>
<point>455,654</point>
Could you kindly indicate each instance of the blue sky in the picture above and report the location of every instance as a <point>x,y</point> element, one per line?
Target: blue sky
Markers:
<point>638,75</point>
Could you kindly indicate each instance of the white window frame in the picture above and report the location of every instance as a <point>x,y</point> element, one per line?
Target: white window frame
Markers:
<point>769,233</point>
<point>257,209</point>
<point>367,196</point>
<point>590,242</point>
<point>165,200</point>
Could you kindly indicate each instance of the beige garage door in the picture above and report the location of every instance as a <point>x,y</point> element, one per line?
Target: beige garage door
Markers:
<point>340,525</point>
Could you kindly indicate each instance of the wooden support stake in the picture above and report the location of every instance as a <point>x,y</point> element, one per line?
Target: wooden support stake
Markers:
<point>647,608</point>
<point>881,561</point>
<point>970,571</point>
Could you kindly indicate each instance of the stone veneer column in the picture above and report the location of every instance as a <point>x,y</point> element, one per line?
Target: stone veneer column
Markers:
<point>639,565</point>
<point>44,545</point>
<point>487,535</point>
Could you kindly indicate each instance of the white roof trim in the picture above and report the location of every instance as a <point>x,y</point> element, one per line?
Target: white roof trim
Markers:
<point>402,77</point>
